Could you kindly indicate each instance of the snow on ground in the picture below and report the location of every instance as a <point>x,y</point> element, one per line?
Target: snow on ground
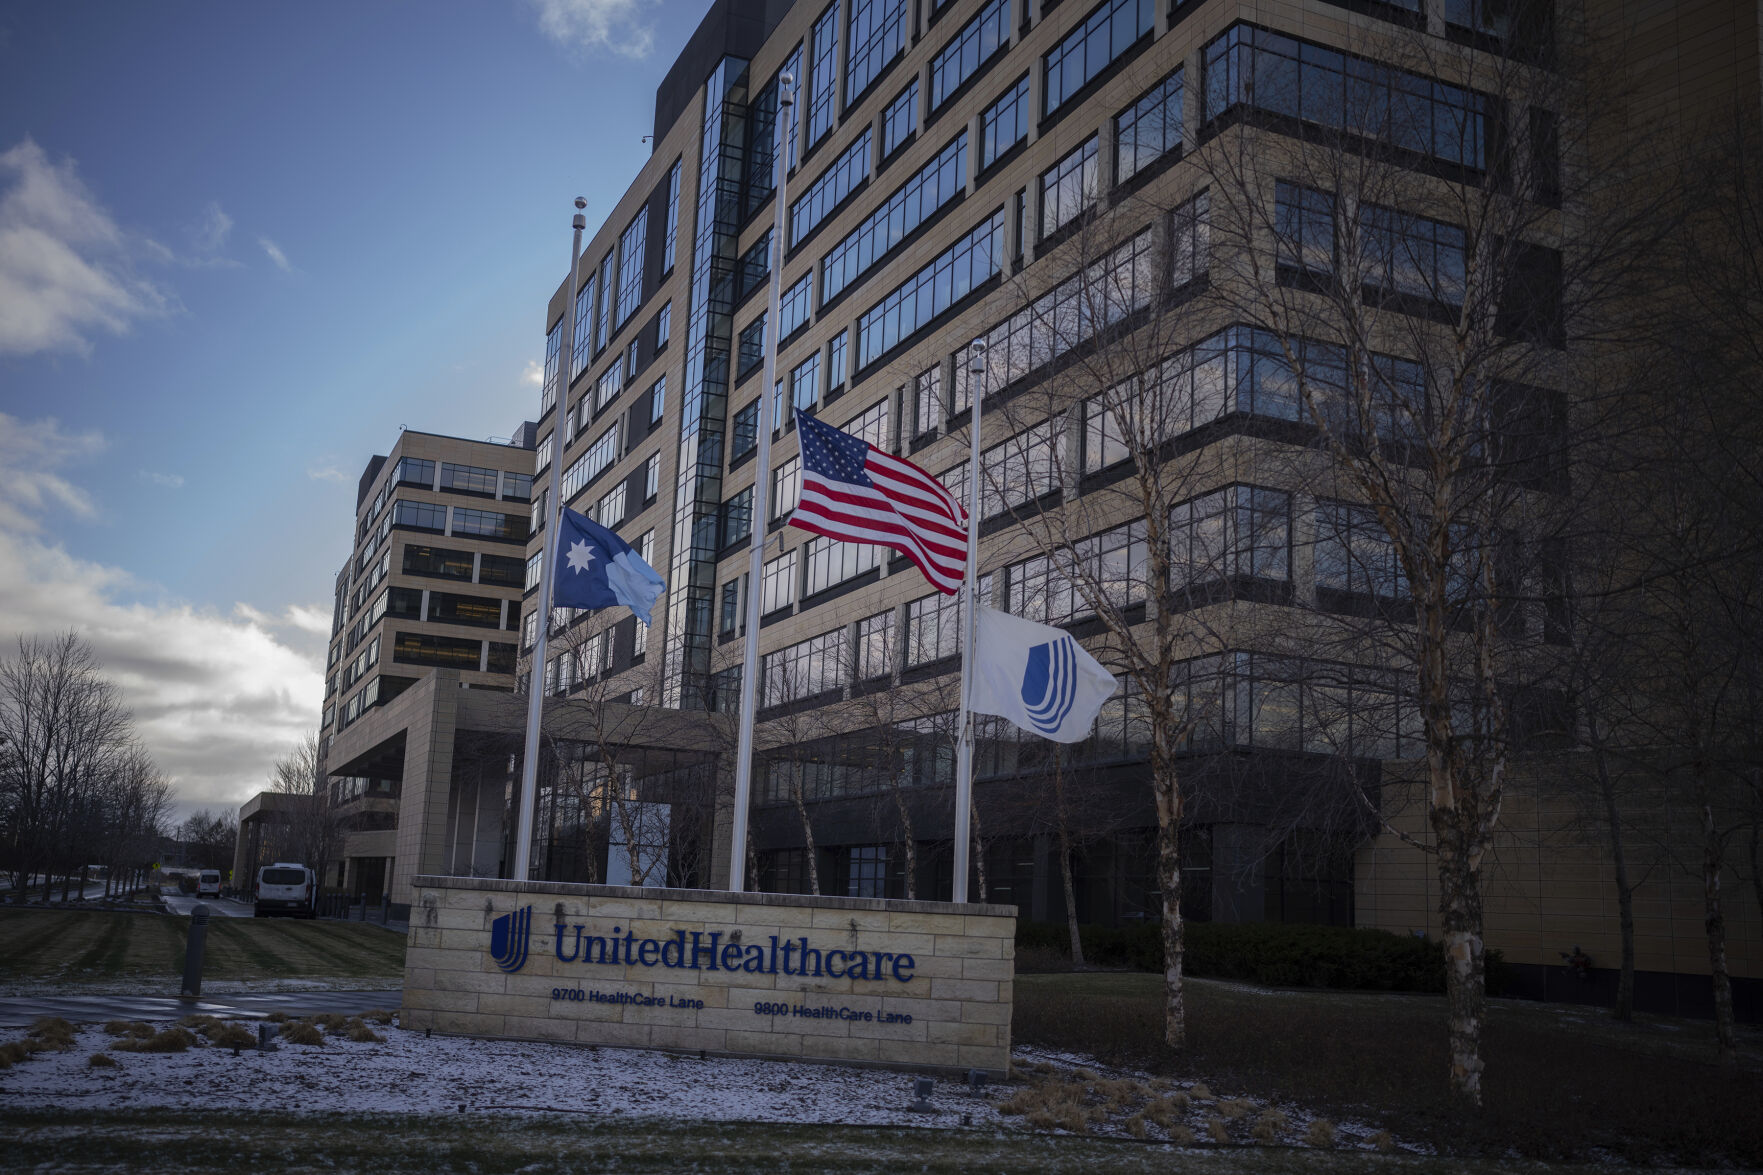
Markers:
<point>414,1074</point>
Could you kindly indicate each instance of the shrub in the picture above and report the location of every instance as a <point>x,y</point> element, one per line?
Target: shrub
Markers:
<point>1279,954</point>
<point>379,1015</point>
<point>232,1036</point>
<point>52,1032</point>
<point>362,1034</point>
<point>302,1032</point>
<point>101,1061</point>
<point>1321,1134</point>
<point>128,1028</point>
<point>171,1040</point>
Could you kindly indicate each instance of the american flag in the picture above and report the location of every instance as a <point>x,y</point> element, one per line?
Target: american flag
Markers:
<point>855,493</point>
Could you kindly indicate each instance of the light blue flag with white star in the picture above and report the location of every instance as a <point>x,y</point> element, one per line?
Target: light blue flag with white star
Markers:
<point>597,569</point>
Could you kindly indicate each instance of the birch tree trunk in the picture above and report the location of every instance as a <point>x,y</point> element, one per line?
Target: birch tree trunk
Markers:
<point>1714,919</point>
<point>1624,1009</point>
<point>1167,795</point>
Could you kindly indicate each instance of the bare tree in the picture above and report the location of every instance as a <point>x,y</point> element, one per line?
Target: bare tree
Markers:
<point>309,823</point>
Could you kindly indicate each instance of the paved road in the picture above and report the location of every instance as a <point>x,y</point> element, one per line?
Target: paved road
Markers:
<point>94,1009</point>
<point>183,903</point>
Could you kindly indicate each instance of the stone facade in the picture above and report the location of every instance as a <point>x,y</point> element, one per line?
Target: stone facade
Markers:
<point>943,1002</point>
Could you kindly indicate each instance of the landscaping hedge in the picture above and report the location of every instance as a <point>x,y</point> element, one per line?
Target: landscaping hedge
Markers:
<point>1278,954</point>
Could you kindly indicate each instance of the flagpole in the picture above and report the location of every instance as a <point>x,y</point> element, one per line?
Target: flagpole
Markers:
<point>976,370</point>
<point>737,858</point>
<point>551,512</point>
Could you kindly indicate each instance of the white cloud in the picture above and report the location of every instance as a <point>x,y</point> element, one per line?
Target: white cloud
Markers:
<point>171,481</point>
<point>327,473</point>
<point>275,254</point>
<point>533,374</point>
<point>30,454</point>
<point>212,231</point>
<point>613,25</point>
<point>64,263</point>
<point>216,698</point>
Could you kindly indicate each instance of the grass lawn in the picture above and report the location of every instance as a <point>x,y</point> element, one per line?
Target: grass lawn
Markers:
<point>99,946</point>
<point>1561,1082</point>
<point>274,1142</point>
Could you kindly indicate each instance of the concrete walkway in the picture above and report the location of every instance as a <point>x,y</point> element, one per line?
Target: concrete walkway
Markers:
<point>95,1009</point>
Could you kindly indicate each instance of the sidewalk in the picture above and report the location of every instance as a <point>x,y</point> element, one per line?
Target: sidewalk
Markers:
<point>92,1009</point>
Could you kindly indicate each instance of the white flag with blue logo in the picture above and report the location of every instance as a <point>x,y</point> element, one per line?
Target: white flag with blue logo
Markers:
<point>597,569</point>
<point>1036,676</point>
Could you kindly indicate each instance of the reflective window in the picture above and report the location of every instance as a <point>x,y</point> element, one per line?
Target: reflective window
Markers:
<point>872,426</point>
<point>1237,531</point>
<point>838,366</point>
<point>1354,552</point>
<point>476,611</point>
<point>610,509</point>
<point>900,120</point>
<point>877,35</point>
<point>414,471</point>
<point>825,43</point>
<point>938,182</point>
<point>553,353</point>
<point>877,645</point>
<point>490,524</point>
<point>581,347</point>
<point>927,401</point>
<point>415,648</point>
<point>978,41</point>
<point>1068,187</point>
<point>664,325</point>
<point>786,487</point>
<point>735,519</point>
<point>930,291</point>
<point>744,435</point>
<point>1149,129</point>
<point>672,218</point>
<point>468,479</point>
<point>828,191</point>
<point>517,487</point>
<point>602,453</point>
<point>1114,563</point>
<point>831,563</point>
<point>1015,472</point>
<point>933,628</point>
<point>437,562</point>
<point>602,330</point>
<point>802,670</point>
<point>419,516</point>
<point>1004,123</point>
<point>777,583</point>
<point>792,307</point>
<point>1110,29</point>
<point>499,570</point>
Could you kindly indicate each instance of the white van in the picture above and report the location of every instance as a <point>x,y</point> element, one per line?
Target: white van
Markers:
<point>286,888</point>
<point>208,883</point>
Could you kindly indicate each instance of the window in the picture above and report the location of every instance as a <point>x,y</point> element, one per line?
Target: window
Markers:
<point>827,192</point>
<point>500,658</point>
<point>1149,129</point>
<point>876,646</point>
<point>838,367</point>
<point>825,42</point>
<point>1414,257</point>
<point>731,622</point>
<point>1017,471</point>
<point>750,347</point>
<point>672,239</point>
<point>831,563</point>
<point>978,41</point>
<point>941,180</point>
<point>1110,29</point>
<point>877,34</point>
<point>651,477</point>
<point>1354,553</point>
<point>1190,234</point>
<point>582,332</point>
<point>437,562</point>
<point>1266,71</point>
<point>499,570</point>
<point>804,384</point>
<point>414,471</point>
<point>610,384</point>
<point>786,487</point>
<point>735,519</point>
<point>900,120</point>
<point>413,648</point>
<point>1238,531</point>
<point>1115,562</point>
<point>419,516</point>
<point>869,872</point>
<point>802,670</point>
<point>490,524</point>
<point>468,479</point>
<point>1004,123</point>
<point>631,246</point>
<point>404,603</point>
<point>744,436</point>
<point>872,426</point>
<point>601,332</point>
<point>927,401</point>
<point>476,611</point>
<point>932,628</point>
<point>517,487</point>
<point>1095,297</point>
<point>1068,187</point>
<point>529,624</point>
<point>602,453</point>
<point>792,307</point>
<point>915,302</point>
<point>553,353</point>
<point>657,400</point>
<point>610,509</point>
<point>753,267</point>
<point>630,361</point>
<point>777,583</point>
<point>1303,226</point>
<point>664,325</point>
<point>532,570</point>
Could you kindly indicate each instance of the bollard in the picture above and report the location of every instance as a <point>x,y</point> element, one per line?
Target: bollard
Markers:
<point>193,952</point>
<point>385,907</point>
<point>265,1037</point>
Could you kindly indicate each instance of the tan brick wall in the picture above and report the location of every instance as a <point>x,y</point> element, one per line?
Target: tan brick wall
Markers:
<point>949,1009</point>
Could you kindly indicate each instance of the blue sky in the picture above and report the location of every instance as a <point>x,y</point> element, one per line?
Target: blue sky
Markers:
<point>240,245</point>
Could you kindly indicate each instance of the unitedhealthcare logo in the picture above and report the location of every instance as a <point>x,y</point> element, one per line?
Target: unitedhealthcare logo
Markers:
<point>510,936</point>
<point>1049,683</point>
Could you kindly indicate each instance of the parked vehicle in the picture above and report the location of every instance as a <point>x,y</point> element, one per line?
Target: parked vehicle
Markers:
<point>286,888</point>
<point>208,883</point>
